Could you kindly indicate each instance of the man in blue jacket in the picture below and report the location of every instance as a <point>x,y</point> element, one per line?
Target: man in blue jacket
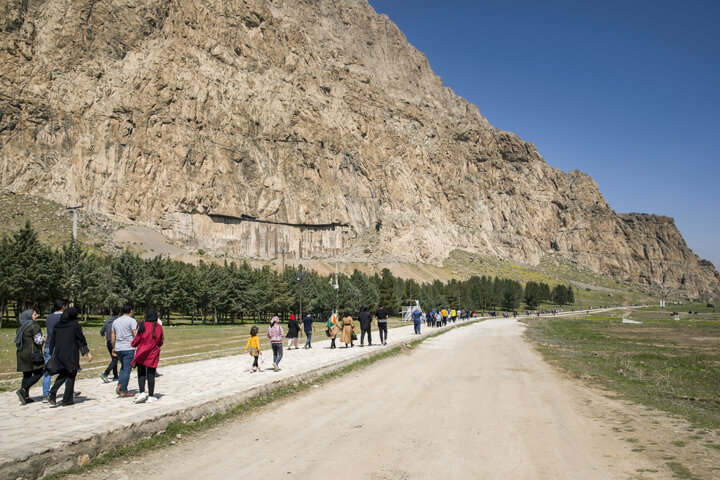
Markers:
<point>417,319</point>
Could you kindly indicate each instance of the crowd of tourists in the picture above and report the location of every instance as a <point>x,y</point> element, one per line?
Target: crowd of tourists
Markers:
<point>130,345</point>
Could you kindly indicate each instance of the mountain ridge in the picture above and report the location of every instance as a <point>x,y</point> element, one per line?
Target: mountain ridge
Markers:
<point>309,129</point>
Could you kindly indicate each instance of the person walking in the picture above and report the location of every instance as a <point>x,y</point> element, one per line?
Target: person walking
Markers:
<point>275,334</point>
<point>332,329</point>
<point>106,333</point>
<point>147,343</point>
<point>67,342</point>
<point>417,319</point>
<point>293,332</point>
<point>124,329</point>
<point>309,328</point>
<point>253,345</point>
<point>348,330</point>
<point>29,342</point>
<point>50,322</point>
<point>382,316</point>
<point>365,318</point>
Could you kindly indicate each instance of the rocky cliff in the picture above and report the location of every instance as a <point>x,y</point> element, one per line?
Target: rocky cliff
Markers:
<point>307,128</point>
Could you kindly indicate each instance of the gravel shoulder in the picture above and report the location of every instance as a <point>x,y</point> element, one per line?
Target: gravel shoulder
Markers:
<point>475,402</point>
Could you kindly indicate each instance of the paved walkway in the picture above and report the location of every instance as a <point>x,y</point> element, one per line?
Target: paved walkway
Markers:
<point>37,439</point>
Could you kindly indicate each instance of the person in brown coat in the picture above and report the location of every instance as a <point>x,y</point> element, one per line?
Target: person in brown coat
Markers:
<point>348,329</point>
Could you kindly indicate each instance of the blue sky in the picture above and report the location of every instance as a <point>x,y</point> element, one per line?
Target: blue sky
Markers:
<point>627,91</point>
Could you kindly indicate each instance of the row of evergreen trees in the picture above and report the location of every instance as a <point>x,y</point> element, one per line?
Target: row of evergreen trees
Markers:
<point>32,275</point>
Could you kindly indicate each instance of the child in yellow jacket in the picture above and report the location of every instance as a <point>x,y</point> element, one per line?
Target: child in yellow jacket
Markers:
<point>253,344</point>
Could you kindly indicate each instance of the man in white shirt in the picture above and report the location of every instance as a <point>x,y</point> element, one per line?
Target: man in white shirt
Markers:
<point>124,329</point>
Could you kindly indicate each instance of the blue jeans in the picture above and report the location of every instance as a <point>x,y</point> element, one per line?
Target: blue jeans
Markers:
<point>47,378</point>
<point>125,357</point>
<point>277,349</point>
<point>309,337</point>
<point>417,326</point>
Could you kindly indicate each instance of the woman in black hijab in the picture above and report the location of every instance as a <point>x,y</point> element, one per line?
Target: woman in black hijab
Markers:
<point>66,344</point>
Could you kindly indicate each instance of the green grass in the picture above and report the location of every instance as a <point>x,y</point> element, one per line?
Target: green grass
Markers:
<point>591,290</point>
<point>178,430</point>
<point>680,471</point>
<point>666,364</point>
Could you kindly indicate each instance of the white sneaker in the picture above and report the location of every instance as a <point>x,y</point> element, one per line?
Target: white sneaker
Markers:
<point>152,399</point>
<point>141,397</point>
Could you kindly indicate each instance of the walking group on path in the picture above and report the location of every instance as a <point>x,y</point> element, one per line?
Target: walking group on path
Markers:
<point>58,353</point>
<point>132,346</point>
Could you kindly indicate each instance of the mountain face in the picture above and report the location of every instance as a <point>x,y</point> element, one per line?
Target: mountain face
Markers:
<point>302,128</point>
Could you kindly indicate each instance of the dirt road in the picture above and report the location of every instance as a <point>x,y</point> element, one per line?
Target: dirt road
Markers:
<point>476,402</point>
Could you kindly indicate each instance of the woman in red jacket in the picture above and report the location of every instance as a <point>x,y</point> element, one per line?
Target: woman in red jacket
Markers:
<point>147,343</point>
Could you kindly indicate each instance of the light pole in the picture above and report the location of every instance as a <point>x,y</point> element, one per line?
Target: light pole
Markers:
<point>299,280</point>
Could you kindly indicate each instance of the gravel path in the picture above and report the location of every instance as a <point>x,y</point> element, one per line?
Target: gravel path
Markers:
<point>476,402</point>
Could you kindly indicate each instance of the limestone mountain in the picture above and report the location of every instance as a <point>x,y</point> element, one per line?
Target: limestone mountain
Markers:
<point>307,128</point>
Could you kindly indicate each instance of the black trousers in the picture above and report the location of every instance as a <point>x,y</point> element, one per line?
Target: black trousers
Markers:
<point>362,336</point>
<point>382,328</point>
<point>143,374</point>
<point>64,375</point>
<point>31,378</point>
<point>112,366</point>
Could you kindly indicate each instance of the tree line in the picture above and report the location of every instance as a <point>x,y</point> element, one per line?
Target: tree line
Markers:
<point>32,275</point>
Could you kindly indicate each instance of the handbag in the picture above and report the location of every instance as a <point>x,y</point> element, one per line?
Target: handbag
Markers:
<point>353,337</point>
<point>327,332</point>
<point>51,367</point>
<point>37,358</point>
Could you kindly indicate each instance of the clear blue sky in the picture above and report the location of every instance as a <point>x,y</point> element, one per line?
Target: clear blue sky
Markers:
<point>627,91</point>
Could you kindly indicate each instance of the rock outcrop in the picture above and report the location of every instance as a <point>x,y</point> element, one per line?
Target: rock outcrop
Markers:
<point>294,127</point>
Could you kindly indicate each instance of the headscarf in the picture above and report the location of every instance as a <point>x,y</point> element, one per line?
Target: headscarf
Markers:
<point>292,316</point>
<point>26,322</point>
<point>69,315</point>
<point>151,316</point>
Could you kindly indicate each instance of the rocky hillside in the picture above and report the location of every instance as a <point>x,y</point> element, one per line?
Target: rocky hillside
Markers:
<point>308,129</point>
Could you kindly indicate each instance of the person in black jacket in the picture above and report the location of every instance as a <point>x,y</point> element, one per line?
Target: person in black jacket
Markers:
<point>293,332</point>
<point>365,318</point>
<point>67,342</point>
<point>106,333</point>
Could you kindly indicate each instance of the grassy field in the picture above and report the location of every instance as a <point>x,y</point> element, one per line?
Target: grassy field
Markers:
<point>183,343</point>
<point>591,290</point>
<point>671,365</point>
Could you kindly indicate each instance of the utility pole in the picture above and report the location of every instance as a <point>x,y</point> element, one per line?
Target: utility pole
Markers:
<point>75,220</point>
<point>336,286</point>
<point>73,252</point>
